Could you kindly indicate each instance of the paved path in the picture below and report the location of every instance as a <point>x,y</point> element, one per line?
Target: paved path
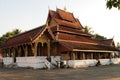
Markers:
<point>111,72</point>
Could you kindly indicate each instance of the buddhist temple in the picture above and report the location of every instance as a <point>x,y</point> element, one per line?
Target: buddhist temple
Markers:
<point>62,38</point>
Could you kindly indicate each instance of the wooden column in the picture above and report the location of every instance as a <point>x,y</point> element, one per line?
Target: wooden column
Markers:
<point>19,51</point>
<point>83,55</point>
<point>14,57</point>
<point>98,55</point>
<point>91,55</point>
<point>34,49</point>
<point>35,53</point>
<point>48,45</point>
<point>73,55</point>
<point>25,50</point>
<point>70,55</point>
<point>41,52</point>
<point>4,54</point>
<point>8,52</point>
<point>106,56</point>
<point>58,51</point>
<point>110,55</point>
<point>13,52</point>
<point>76,56</point>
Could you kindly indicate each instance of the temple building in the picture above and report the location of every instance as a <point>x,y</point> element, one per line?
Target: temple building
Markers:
<point>62,38</point>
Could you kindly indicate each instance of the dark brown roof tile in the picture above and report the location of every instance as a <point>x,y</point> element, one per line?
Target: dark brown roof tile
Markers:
<point>66,15</point>
<point>67,23</point>
<point>23,38</point>
<point>81,46</point>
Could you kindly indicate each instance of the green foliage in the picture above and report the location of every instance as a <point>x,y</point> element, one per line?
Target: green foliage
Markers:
<point>9,34</point>
<point>99,37</point>
<point>118,45</point>
<point>88,30</point>
<point>16,32</point>
<point>113,3</point>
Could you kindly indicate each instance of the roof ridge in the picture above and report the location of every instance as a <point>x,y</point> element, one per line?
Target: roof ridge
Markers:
<point>42,28</point>
<point>26,32</point>
<point>63,11</point>
<point>83,42</point>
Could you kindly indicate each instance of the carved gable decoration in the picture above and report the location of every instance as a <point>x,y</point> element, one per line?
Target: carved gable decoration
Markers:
<point>66,15</point>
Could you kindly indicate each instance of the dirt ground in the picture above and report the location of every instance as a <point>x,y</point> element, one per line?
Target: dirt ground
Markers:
<point>111,72</point>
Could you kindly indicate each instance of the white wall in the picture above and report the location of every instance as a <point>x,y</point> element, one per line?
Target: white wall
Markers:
<point>115,60</point>
<point>90,62</point>
<point>8,60</point>
<point>105,61</point>
<point>55,59</point>
<point>34,62</point>
<point>81,63</point>
<point>41,62</point>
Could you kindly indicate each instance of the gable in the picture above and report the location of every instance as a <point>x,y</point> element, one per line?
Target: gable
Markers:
<point>52,23</point>
<point>45,32</point>
<point>109,42</point>
<point>28,37</point>
<point>66,15</point>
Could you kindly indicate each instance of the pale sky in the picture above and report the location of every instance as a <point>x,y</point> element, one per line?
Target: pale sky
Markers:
<point>28,14</point>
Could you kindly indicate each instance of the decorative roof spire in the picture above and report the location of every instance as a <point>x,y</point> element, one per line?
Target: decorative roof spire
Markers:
<point>48,7</point>
<point>56,7</point>
<point>113,37</point>
<point>65,9</point>
<point>47,23</point>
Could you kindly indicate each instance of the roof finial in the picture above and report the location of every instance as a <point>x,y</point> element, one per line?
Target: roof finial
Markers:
<point>56,7</point>
<point>48,7</point>
<point>113,37</point>
<point>65,9</point>
<point>47,23</point>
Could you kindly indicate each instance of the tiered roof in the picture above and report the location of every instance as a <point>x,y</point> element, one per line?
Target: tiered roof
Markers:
<point>67,30</point>
<point>72,36</point>
<point>64,18</point>
<point>84,47</point>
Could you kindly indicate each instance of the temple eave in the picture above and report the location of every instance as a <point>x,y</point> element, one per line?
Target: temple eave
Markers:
<point>77,50</point>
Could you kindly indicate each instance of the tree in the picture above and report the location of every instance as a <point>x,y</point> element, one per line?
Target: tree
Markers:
<point>88,30</point>
<point>9,34</point>
<point>113,3</point>
<point>118,45</point>
<point>95,36</point>
<point>16,32</point>
<point>99,37</point>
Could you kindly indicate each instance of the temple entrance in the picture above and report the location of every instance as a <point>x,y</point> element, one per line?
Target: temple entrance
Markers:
<point>39,49</point>
<point>42,49</point>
